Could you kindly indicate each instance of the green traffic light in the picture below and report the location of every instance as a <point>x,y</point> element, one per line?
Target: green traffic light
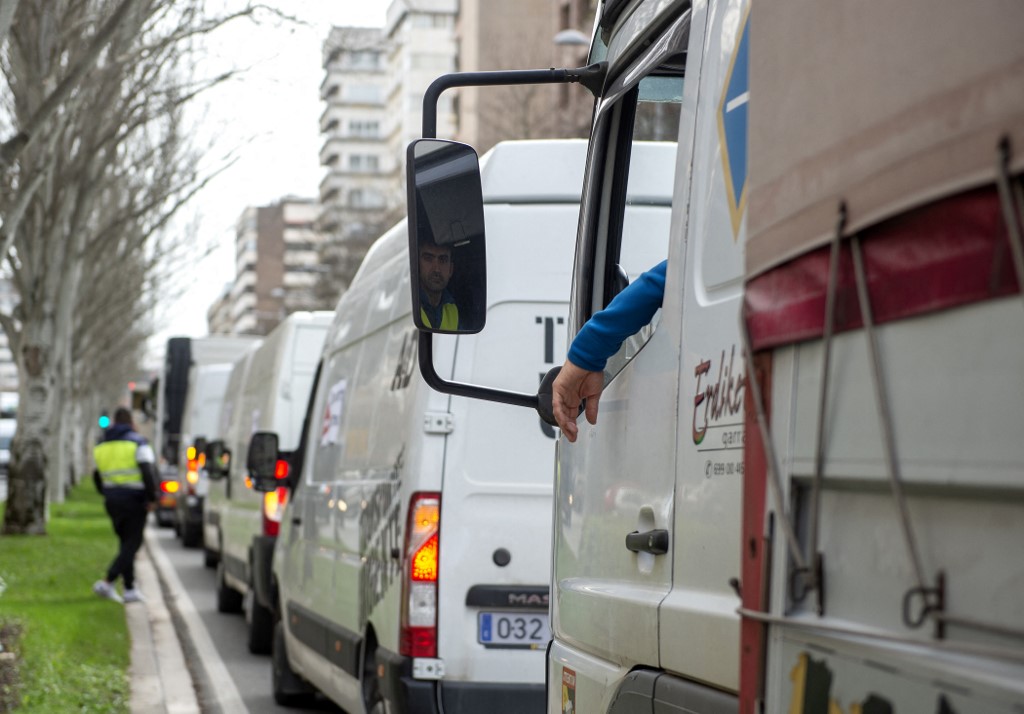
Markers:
<point>104,421</point>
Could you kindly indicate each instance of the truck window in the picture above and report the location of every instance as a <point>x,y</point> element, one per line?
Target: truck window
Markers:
<point>649,131</point>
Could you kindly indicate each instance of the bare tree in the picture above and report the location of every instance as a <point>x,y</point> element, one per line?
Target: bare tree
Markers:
<point>86,195</point>
<point>341,256</point>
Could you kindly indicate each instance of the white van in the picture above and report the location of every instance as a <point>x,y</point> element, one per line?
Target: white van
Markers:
<point>7,429</point>
<point>207,384</point>
<point>271,395</point>
<point>413,564</point>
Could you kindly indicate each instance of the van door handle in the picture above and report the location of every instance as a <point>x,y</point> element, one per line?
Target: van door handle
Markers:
<point>654,541</point>
<point>296,521</point>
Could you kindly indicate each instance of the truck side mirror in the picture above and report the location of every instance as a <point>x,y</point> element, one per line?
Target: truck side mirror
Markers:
<point>218,460</point>
<point>447,259</point>
<point>261,461</point>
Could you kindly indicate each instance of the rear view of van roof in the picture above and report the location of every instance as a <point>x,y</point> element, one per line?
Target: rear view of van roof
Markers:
<point>509,172</point>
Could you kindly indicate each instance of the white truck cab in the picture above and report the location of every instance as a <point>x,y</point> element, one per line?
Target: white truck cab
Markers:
<point>646,546</point>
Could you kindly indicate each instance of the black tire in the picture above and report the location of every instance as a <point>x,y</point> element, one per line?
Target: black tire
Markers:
<point>210,558</point>
<point>228,600</point>
<point>191,534</point>
<point>290,690</point>
<point>373,701</point>
<point>260,625</point>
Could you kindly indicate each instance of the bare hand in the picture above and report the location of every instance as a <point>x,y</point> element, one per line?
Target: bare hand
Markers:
<point>572,385</point>
<point>150,506</point>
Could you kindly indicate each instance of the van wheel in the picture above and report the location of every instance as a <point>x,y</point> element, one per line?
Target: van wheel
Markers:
<point>290,690</point>
<point>260,622</point>
<point>210,558</point>
<point>373,700</point>
<point>228,600</point>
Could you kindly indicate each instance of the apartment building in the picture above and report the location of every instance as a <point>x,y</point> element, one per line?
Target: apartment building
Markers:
<point>495,35</point>
<point>357,190</point>
<point>276,265</point>
<point>373,87</point>
<point>421,46</point>
<point>218,315</point>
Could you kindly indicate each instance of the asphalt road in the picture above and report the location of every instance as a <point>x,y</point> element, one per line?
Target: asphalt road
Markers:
<point>250,673</point>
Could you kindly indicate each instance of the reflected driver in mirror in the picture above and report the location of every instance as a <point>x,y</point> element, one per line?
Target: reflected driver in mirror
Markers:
<point>437,306</point>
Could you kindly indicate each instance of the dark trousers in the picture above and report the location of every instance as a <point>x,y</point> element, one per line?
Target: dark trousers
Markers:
<point>128,515</point>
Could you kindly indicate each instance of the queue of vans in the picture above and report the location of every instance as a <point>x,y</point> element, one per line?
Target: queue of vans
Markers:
<point>268,390</point>
<point>386,542</point>
<point>782,507</point>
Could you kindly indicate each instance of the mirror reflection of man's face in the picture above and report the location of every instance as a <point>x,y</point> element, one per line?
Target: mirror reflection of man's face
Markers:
<point>435,270</point>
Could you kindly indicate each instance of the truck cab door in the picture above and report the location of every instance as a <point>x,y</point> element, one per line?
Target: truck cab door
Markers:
<point>698,621</point>
<point>615,486</point>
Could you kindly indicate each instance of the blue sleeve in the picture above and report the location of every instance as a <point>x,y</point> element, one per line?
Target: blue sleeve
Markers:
<point>628,311</point>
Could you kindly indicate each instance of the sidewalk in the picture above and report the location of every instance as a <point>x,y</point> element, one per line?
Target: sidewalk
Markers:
<point>160,679</point>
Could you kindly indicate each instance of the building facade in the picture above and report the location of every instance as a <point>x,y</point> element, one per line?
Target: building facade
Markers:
<point>276,264</point>
<point>357,190</point>
<point>421,47</point>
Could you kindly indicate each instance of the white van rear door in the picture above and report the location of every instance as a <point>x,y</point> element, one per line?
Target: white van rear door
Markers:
<point>496,499</point>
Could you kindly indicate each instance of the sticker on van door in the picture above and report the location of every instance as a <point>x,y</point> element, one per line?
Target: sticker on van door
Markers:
<point>330,427</point>
<point>568,691</point>
<point>718,413</point>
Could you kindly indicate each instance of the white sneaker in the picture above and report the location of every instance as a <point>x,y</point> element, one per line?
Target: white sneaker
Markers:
<point>133,595</point>
<point>105,589</point>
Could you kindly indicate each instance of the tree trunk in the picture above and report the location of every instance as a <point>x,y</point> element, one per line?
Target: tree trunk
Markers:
<point>27,476</point>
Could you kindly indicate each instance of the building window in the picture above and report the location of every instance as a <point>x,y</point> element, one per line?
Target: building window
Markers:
<point>364,59</point>
<point>365,93</point>
<point>364,128</point>
<point>363,162</point>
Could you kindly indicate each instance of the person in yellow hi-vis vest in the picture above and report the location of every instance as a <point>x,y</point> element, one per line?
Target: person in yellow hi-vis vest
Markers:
<point>126,476</point>
<point>437,306</point>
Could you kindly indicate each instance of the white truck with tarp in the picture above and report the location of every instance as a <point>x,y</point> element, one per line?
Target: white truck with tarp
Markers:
<point>884,470</point>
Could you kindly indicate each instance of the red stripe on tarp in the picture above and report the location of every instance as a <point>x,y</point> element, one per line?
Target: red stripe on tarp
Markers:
<point>950,253</point>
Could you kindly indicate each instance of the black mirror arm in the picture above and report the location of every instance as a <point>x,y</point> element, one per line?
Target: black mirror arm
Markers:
<point>592,77</point>
<point>435,381</point>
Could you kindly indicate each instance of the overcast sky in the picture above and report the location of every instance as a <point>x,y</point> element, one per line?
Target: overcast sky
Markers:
<point>270,120</point>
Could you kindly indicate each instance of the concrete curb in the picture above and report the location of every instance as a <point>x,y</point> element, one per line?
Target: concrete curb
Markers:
<point>210,682</point>
<point>160,679</point>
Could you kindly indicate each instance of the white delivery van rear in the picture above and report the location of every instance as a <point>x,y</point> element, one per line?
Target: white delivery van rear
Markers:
<point>220,484</point>
<point>273,397</point>
<point>414,560</point>
<point>207,385</point>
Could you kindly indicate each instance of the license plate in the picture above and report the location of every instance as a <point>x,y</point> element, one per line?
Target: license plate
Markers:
<point>513,629</point>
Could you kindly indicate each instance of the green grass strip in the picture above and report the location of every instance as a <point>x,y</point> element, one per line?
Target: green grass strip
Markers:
<point>74,648</point>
